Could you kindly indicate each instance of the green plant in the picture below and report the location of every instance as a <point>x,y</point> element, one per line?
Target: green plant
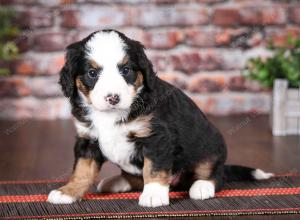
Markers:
<point>8,47</point>
<point>283,64</point>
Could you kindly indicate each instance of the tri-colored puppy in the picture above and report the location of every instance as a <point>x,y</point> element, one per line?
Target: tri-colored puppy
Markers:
<point>125,114</point>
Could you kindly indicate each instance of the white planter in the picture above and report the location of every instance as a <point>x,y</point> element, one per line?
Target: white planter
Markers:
<point>285,115</point>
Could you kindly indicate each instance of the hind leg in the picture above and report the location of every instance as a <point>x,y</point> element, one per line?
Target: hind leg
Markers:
<point>208,180</point>
<point>120,183</point>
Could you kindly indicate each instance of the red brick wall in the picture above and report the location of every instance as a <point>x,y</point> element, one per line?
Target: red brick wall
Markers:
<point>198,45</point>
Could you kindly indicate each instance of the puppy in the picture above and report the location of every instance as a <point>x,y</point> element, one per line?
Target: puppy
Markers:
<point>125,114</point>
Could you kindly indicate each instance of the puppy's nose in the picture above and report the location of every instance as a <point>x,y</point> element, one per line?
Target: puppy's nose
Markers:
<point>112,99</point>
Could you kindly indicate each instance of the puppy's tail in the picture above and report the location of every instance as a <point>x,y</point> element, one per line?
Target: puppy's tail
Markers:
<point>241,173</point>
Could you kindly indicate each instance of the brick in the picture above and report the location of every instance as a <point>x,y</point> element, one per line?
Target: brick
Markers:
<point>133,33</point>
<point>250,15</point>
<point>221,80</point>
<point>215,37</point>
<point>233,59</point>
<point>96,17</point>
<point>46,3</point>
<point>233,103</point>
<point>34,108</point>
<point>180,15</point>
<point>279,36</point>
<point>162,39</point>
<point>14,2</point>
<point>23,43</point>
<point>269,15</point>
<point>176,79</point>
<point>52,41</point>
<point>238,37</point>
<point>12,87</point>
<point>34,18</point>
<point>16,86</point>
<point>39,64</point>
<point>201,37</point>
<point>228,16</point>
<point>203,83</point>
<point>24,67</point>
<point>164,1</point>
<point>55,3</point>
<point>237,83</point>
<point>226,36</point>
<point>137,1</point>
<point>70,18</point>
<point>158,60</point>
<point>256,52</point>
<point>193,61</point>
<point>187,62</point>
<point>254,86</point>
<point>254,39</point>
<point>211,60</point>
<point>294,13</point>
<point>210,1</point>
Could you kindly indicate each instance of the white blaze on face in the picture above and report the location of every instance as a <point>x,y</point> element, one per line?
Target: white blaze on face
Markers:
<point>107,49</point>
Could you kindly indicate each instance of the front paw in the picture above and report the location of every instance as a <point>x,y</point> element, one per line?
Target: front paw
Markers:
<point>154,195</point>
<point>58,197</point>
<point>202,189</point>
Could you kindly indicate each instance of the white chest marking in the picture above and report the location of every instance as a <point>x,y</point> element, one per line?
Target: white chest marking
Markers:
<point>113,139</point>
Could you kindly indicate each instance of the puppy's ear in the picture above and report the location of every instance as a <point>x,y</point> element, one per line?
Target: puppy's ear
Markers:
<point>66,81</point>
<point>145,65</point>
<point>69,70</point>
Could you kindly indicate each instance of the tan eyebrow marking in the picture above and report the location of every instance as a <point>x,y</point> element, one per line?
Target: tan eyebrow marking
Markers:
<point>124,60</point>
<point>94,64</point>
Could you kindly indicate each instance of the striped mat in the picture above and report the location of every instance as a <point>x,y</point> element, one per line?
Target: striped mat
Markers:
<point>27,200</point>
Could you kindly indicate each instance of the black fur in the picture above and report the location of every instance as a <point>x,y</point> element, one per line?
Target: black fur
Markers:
<point>86,148</point>
<point>182,136</point>
<point>68,72</point>
<point>238,173</point>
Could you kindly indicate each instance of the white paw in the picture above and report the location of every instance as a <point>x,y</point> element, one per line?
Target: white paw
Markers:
<point>154,195</point>
<point>202,189</point>
<point>114,184</point>
<point>259,174</point>
<point>57,197</point>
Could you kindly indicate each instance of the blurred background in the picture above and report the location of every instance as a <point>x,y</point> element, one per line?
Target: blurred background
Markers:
<point>200,46</point>
<point>225,54</point>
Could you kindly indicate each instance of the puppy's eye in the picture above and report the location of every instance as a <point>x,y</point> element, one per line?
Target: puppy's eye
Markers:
<point>92,73</point>
<point>125,70</point>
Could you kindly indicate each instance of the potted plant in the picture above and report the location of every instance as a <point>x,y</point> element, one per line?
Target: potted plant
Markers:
<point>281,72</point>
<point>8,48</point>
